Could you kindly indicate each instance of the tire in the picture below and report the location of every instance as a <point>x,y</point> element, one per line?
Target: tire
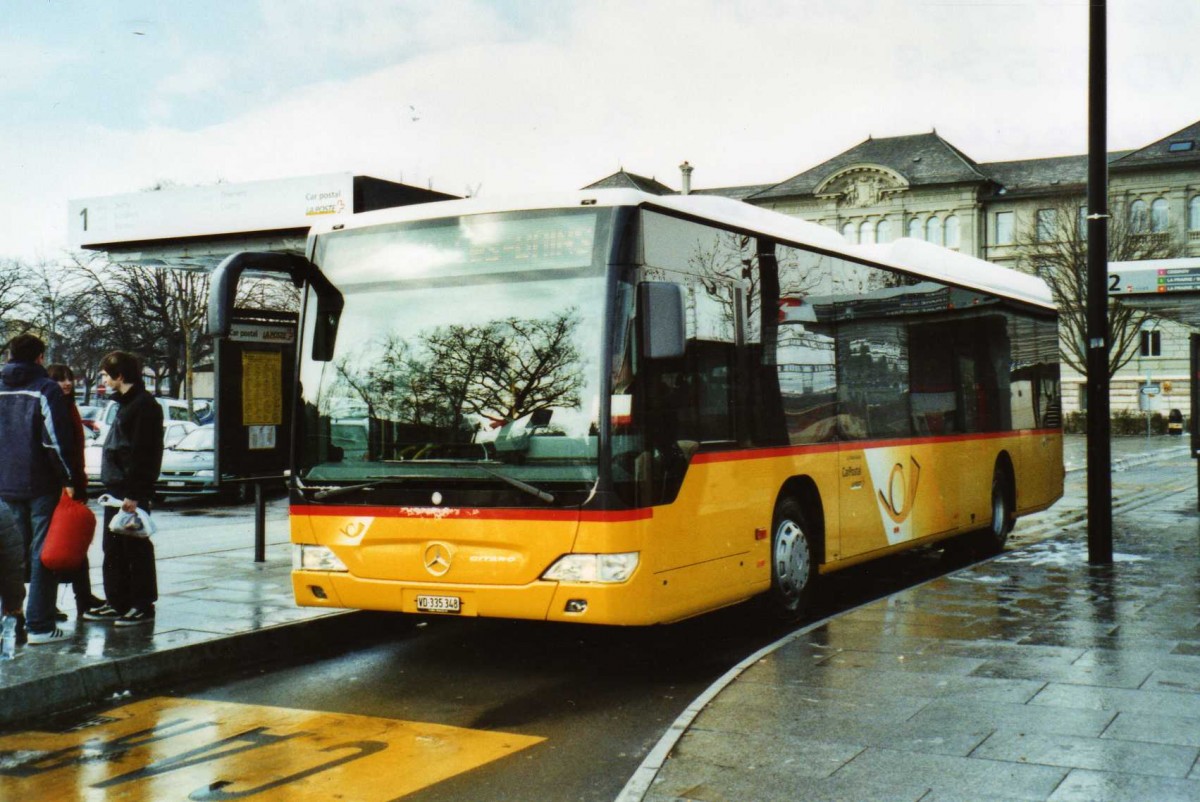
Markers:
<point>793,560</point>
<point>1003,515</point>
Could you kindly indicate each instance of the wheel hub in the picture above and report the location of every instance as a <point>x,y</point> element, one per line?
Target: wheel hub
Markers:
<point>791,558</point>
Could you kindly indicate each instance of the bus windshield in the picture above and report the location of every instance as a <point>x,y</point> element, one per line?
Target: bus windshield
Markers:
<point>468,351</point>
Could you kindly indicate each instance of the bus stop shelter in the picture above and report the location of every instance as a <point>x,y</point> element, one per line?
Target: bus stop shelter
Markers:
<point>1169,289</point>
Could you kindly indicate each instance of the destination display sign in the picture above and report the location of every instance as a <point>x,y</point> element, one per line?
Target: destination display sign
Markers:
<point>469,246</point>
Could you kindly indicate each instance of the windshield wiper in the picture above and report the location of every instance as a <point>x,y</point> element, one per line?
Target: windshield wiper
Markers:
<point>517,483</point>
<point>341,490</point>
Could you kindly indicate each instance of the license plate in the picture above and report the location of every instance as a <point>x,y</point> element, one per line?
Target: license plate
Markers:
<point>439,604</point>
<point>175,484</point>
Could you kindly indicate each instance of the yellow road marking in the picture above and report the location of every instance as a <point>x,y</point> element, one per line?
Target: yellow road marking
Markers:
<point>210,751</point>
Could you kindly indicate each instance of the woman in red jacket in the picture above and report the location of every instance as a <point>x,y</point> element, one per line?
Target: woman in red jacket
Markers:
<point>81,582</point>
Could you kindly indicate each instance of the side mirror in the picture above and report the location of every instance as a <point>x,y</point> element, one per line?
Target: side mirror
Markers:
<point>223,293</point>
<point>664,332</point>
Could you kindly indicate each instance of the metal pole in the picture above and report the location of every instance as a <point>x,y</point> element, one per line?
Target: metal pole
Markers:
<point>1194,403</point>
<point>1099,451</point>
<point>260,524</point>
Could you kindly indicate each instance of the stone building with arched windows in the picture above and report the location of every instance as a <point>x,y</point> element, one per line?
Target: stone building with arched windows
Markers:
<point>922,186</point>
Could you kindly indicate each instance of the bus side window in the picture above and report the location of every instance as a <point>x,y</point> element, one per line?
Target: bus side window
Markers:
<point>799,345</point>
<point>872,380</point>
<point>934,400</point>
<point>706,382</point>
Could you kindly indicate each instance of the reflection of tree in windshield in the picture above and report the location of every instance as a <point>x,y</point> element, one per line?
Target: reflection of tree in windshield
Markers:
<point>456,379</point>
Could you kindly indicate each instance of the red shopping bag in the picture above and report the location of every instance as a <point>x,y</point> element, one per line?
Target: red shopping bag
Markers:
<point>71,530</point>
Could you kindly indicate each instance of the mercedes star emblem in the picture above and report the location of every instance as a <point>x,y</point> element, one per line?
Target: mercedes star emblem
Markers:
<point>437,558</point>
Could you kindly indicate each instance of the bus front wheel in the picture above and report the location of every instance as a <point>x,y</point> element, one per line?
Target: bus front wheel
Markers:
<point>793,560</point>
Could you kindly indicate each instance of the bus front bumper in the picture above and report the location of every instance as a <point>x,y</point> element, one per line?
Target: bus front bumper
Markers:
<point>590,603</point>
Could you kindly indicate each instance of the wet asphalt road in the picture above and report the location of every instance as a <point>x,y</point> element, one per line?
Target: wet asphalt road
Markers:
<point>601,697</point>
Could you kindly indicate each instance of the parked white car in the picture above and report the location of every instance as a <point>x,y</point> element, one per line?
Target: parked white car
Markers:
<point>173,432</point>
<point>174,410</point>
<point>187,468</point>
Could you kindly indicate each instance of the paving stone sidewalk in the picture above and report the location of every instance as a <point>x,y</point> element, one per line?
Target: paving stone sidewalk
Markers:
<point>216,608</point>
<point>1033,676</point>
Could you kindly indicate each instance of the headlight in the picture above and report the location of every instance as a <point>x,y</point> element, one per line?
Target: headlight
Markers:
<point>315,558</point>
<point>204,474</point>
<point>593,568</point>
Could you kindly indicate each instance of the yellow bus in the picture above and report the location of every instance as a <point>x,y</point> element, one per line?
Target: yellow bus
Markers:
<point>617,408</point>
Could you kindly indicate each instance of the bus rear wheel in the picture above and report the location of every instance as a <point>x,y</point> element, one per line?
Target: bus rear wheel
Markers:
<point>1003,516</point>
<point>793,560</point>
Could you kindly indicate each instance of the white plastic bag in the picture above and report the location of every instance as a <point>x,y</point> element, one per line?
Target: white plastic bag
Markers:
<point>132,524</point>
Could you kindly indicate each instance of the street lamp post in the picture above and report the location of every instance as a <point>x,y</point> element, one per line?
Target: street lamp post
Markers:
<point>1099,449</point>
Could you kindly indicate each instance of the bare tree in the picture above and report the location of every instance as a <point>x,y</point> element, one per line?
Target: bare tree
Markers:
<point>500,371</point>
<point>157,313</point>
<point>268,293</point>
<point>1054,247</point>
<point>54,295</point>
<point>534,365</point>
<point>13,293</point>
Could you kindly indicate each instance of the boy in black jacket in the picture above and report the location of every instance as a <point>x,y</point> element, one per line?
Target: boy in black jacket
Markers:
<point>128,470</point>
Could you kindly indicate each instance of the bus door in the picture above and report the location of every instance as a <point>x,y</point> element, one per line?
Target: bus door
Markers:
<point>688,406</point>
<point>938,400</point>
<point>879,480</point>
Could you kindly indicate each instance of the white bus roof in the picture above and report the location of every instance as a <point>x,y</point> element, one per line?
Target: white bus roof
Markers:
<point>913,256</point>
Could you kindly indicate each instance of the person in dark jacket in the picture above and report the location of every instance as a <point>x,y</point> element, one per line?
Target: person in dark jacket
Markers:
<point>12,583</point>
<point>81,581</point>
<point>129,468</point>
<point>39,452</point>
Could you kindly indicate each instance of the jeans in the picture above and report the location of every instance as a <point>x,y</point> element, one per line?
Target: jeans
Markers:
<point>12,563</point>
<point>33,521</point>
<point>130,578</point>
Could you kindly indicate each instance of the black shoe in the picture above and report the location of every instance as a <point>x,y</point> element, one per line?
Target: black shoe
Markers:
<point>101,613</point>
<point>59,615</point>
<point>92,603</point>
<point>135,617</point>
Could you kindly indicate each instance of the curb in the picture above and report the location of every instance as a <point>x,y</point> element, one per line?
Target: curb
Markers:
<point>643,777</point>
<point>298,641</point>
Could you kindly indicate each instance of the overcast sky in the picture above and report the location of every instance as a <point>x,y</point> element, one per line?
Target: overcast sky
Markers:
<point>514,96</point>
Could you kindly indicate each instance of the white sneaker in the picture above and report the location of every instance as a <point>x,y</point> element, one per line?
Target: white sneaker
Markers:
<point>56,634</point>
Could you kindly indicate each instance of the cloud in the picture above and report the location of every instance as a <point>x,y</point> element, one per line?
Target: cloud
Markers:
<point>367,30</point>
<point>196,75</point>
<point>748,92</point>
<point>26,65</point>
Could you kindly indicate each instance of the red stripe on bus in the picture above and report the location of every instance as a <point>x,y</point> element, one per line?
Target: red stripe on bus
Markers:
<point>472,513</point>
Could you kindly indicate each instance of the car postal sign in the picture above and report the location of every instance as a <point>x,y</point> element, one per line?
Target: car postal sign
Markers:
<point>202,750</point>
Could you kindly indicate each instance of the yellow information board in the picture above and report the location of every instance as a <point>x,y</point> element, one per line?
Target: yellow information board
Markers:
<point>262,388</point>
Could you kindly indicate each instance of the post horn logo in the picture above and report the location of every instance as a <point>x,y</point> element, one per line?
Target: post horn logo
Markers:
<point>437,559</point>
<point>907,494</point>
